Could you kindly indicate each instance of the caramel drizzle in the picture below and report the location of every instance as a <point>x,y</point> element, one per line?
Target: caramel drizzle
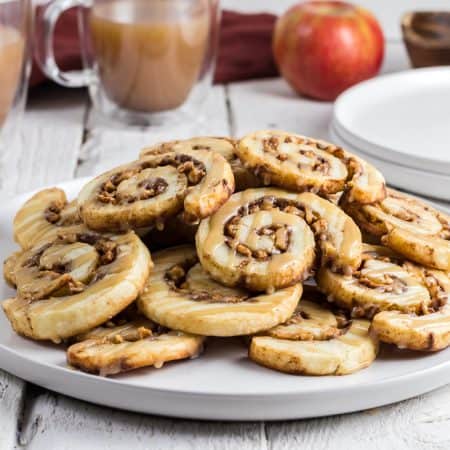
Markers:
<point>379,279</point>
<point>311,322</point>
<point>430,328</point>
<point>413,212</point>
<point>385,280</point>
<point>193,169</point>
<point>439,293</point>
<point>445,222</point>
<point>132,331</point>
<point>317,162</point>
<point>337,239</point>
<point>403,213</point>
<point>59,273</point>
<point>42,216</point>
<point>390,283</point>
<point>279,233</point>
<point>359,180</point>
<point>176,278</point>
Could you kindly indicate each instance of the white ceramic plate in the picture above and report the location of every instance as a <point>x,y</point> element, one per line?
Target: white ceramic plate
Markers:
<point>414,180</point>
<point>222,384</point>
<point>402,117</point>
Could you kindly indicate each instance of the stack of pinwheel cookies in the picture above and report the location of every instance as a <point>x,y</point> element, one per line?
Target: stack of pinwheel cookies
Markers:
<point>288,240</point>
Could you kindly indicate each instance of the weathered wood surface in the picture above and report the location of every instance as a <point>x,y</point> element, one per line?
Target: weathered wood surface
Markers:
<point>57,422</point>
<point>12,392</point>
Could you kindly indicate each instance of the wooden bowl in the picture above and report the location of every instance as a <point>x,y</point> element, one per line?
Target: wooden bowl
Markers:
<point>427,38</point>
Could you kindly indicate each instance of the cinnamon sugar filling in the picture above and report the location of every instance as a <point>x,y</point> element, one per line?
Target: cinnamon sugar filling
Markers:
<point>150,187</point>
<point>66,266</point>
<point>317,162</point>
<point>177,278</point>
<point>280,234</point>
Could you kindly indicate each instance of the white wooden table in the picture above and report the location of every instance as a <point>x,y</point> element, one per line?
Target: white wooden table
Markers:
<point>55,143</point>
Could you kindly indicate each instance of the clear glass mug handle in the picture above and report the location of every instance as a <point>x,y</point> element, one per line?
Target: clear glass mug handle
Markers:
<point>45,53</point>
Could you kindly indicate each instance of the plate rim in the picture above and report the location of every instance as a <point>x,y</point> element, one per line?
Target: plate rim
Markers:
<point>417,162</point>
<point>327,390</point>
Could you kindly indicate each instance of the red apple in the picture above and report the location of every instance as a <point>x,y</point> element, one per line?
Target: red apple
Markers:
<point>324,47</point>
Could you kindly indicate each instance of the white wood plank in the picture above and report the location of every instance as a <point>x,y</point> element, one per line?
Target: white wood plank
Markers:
<point>388,12</point>
<point>113,146</point>
<point>271,103</point>
<point>48,143</point>
<point>66,424</point>
<point>11,397</point>
<point>420,424</point>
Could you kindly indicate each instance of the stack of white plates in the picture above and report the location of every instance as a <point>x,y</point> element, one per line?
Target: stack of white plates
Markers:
<point>401,124</point>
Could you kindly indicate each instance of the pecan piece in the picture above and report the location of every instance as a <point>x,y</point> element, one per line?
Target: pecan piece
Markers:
<point>282,239</point>
<point>52,213</point>
<point>261,255</point>
<point>176,274</point>
<point>243,250</point>
<point>107,250</point>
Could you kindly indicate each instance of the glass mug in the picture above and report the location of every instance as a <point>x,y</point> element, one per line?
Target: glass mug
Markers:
<point>15,21</point>
<point>145,62</point>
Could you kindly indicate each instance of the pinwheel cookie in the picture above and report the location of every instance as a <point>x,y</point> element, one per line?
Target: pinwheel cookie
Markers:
<point>408,226</point>
<point>300,163</point>
<point>177,231</point>
<point>9,268</point>
<point>43,216</point>
<point>226,147</point>
<point>146,192</point>
<point>180,295</point>
<point>75,282</point>
<point>111,349</point>
<point>381,283</point>
<point>265,239</point>
<point>429,331</point>
<point>316,341</point>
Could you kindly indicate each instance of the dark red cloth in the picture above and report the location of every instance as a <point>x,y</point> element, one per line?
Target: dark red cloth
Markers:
<point>245,47</point>
<point>244,52</point>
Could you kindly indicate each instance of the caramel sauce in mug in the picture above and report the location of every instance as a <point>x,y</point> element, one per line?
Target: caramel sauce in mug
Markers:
<point>149,53</point>
<point>12,46</point>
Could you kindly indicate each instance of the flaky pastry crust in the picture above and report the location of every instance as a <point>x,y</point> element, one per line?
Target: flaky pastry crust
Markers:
<point>43,216</point>
<point>381,283</point>
<point>408,226</point>
<point>425,332</point>
<point>145,193</point>
<point>113,349</point>
<point>312,343</point>
<point>244,178</point>
<point>267,238</point>
<point>76,282</point>
<point>180,295</point>
<point>301,163</point>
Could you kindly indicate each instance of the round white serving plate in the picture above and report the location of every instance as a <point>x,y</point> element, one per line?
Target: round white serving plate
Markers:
<point>418,181</point>
<point>222,384</point>
<point>402,117</point>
